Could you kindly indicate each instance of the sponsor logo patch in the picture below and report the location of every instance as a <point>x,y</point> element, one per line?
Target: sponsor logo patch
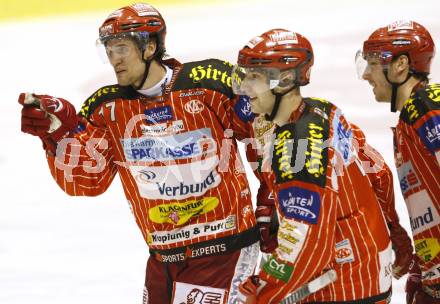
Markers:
<point>183,145</point>
<point>291,237</point>
<point>279,270</point>
<point>400,25</point>
<point>159,114</point>
<point>192,253</point>
<point>202,72</point>
<point>386,269</point>
<point>163,128</point>
<point>422,212</point>
<point>282,37</point>
<point>191,93</point>
<point>143,9</point>
<point>427,249</point>
<point>300,204</point>
<point>407,177</point>
<point>431,274</point>
<point>243,109</point>
<point>184,293</point>
<point>190,232</point>
<point>176,182</point>
<point>342,138</point>
<point>180,213</point>
<point>283,156</point>
<point>344,252</point>
<point>429,132</point>
<point>410,109</point>
<point>254,42</point>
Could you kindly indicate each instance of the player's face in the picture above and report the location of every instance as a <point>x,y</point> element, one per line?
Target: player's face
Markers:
<point>258,90</point>
<point>126,59</point>
<point>375,76</point>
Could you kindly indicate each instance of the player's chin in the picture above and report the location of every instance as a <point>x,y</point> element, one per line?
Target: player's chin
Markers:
<point>122,81</point>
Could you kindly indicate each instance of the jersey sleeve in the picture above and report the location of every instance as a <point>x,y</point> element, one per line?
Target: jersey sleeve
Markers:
<point>84,163</point>
<point>306,210</point>
<point>379,174</point>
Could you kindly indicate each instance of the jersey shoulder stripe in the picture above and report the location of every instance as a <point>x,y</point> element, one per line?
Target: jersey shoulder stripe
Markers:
<point>105,94</point>
<point>420,103</point>
<point>304,140</point>
<point>211,74</point>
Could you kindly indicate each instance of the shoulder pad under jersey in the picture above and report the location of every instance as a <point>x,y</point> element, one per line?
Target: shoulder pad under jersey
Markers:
<point>300,150</point>
<point>104,94</point>
<point>420,103</point>
<point>211,74</point>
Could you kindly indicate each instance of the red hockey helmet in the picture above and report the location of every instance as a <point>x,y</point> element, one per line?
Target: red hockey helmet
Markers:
<point>280,49</point>
<point>399,38</point>
<point>140,21</point>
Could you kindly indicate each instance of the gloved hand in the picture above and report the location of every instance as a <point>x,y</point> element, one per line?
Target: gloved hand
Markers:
<point>402,248</point>
<point>248,290</point>
<point>421,297</point>
<point>47,117</point>
<point>414,281</point>
<point>267,220</point>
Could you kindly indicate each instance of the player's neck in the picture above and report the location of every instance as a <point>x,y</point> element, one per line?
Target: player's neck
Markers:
<point>289,104</point>
<point>404,92</point>
<point>155,74</point>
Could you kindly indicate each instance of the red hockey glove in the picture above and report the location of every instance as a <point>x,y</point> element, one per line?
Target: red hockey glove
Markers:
<point>402,248</point>
<point>47,117</point>
<point>267,220</point>
<point>248,290</point>
<point>413,283</point>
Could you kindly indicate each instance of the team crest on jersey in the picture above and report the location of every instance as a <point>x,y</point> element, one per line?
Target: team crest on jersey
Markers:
<point>344,252</point>
<point>194,106</point>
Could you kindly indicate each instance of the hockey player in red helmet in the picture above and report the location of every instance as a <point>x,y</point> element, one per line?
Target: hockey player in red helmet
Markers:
<point>396,61</point>
<point>332,190</point>
<point>162,128</point>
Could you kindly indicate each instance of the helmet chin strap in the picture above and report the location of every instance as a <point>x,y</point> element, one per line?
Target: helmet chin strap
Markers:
<point>394,87</point>
<point>276,106</point>
<point>145,76</point>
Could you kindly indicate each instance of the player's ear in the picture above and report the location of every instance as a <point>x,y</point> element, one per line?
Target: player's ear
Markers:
<point>400,67</point>
<point>150,49</point>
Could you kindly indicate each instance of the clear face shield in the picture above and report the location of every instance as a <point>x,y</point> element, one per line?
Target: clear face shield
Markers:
<point>257,81</point>
<point>366,63</point>
<point>120,45</point>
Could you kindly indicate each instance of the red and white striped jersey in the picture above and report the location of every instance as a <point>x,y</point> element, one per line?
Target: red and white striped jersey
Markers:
<point>417,157</point>
<point>329,213</point>
<point>175,154</point>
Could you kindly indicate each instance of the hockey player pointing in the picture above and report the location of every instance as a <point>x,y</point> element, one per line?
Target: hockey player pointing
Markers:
<point>396,61</point>
<point>160,128</point>
<point>329,211</point>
